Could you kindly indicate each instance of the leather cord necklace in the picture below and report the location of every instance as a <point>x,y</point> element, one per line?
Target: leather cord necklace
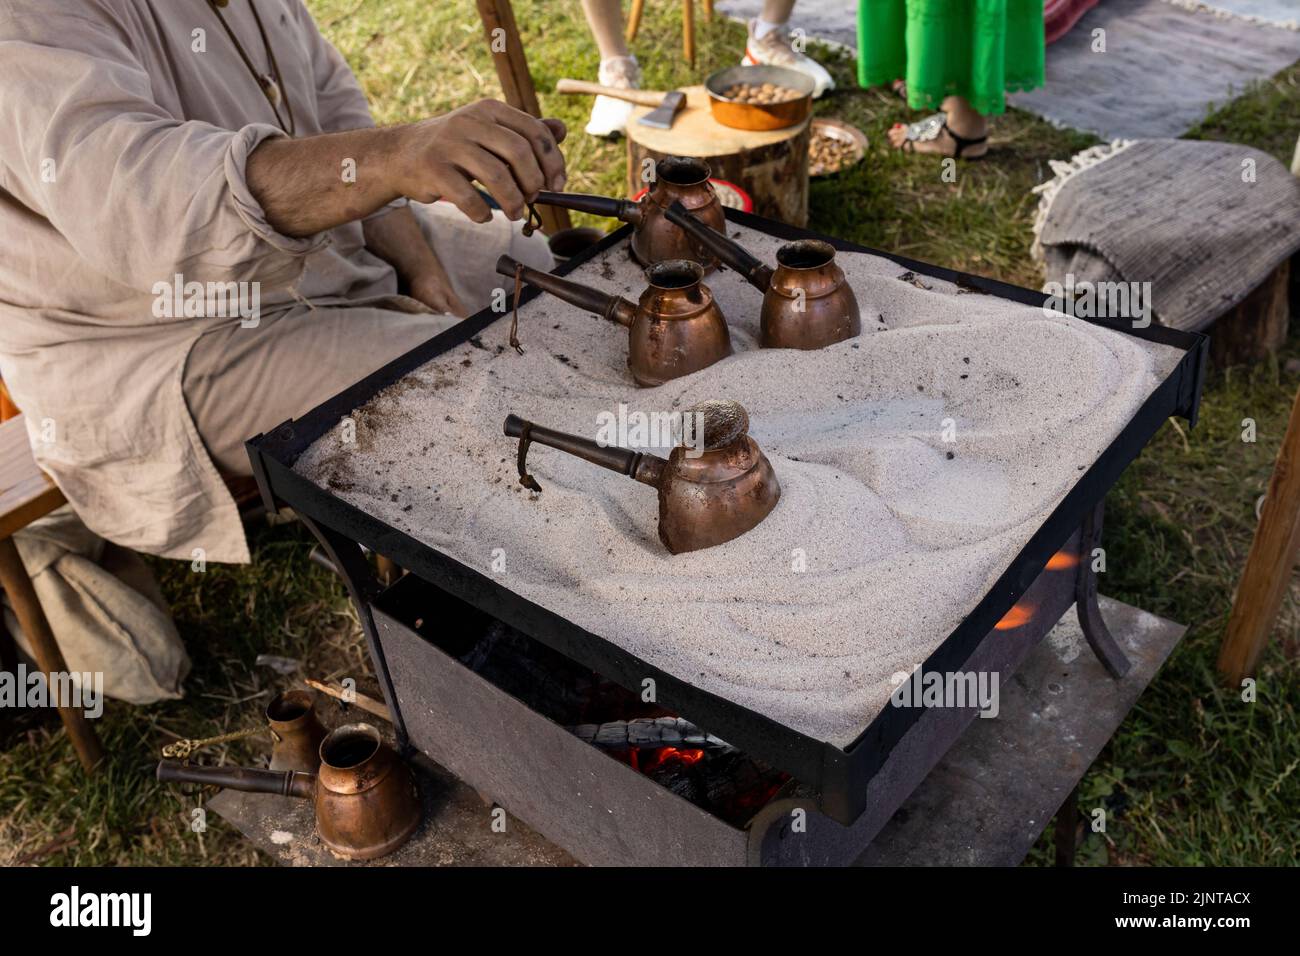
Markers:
<point>272,86</point>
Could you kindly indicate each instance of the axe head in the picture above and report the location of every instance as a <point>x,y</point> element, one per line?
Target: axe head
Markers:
<point>662,116</point>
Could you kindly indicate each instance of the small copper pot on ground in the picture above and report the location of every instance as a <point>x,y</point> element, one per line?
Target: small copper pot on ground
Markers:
<point>364,796</point>
<point>296,731</point>
<point>708,494</point>
<point>674,329</point>
<point>655,239</point>
<point>807,302</point>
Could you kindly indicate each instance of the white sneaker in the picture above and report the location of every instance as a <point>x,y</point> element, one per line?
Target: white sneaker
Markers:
<point>609,116</point>
<point>774,49</point>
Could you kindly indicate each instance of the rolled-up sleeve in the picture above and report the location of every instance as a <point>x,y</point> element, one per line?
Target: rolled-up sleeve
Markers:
<point>139,194</point>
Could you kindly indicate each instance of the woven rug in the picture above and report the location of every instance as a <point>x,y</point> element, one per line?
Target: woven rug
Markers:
<point>1163,68</point>
<point>830,21</point>
<point>1277,13</point>
<point>1204,223</point>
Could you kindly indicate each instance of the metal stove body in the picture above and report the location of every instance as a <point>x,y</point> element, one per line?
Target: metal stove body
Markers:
<point>605,812</point>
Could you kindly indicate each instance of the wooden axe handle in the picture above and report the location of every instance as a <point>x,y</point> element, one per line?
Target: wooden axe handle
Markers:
<point>641,97</point>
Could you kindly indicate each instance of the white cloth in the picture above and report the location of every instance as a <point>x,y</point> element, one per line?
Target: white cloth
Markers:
<point>125,126</point>
<point>104,609</point>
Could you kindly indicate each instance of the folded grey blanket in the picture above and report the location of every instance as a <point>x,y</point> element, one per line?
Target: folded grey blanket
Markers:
<point>1204,223</point>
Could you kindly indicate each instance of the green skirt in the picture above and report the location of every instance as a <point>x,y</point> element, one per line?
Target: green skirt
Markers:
<point>979,49</point>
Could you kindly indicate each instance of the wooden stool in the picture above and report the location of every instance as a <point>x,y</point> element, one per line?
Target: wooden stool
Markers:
<point>27,493</point>
<point>688,24</point>
<point>772,166</point>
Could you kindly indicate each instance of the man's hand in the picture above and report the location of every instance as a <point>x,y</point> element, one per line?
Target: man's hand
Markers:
<point>513,155</point>
<point>311,185</point>
<point>434,289</point>
<point>398,239</point>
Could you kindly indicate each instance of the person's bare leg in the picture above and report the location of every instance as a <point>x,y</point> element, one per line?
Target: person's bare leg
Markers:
<point>618,67</point>
<point>963,120</point>
<point>605,18</point>
<point>777,11</point>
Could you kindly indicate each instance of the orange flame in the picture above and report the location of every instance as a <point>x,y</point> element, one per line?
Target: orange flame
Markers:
<point>1018,616</point>
<point>646,761</point>
<point>1062,560</point>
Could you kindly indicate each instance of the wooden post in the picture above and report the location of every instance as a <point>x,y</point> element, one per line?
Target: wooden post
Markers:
<point>634,19</point>
<point>516,82</point>
<point>18,585</point>
<point>688,30</point>
<point>1267,575</point>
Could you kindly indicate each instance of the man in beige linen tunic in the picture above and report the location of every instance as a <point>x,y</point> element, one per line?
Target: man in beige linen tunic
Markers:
<point>138,153</point>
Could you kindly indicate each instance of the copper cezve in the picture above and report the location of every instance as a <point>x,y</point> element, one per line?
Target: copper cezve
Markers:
<point>364,796</point>
<point>807,302</point>
<point>676,327</point>
<point>654,238</point>
<point>709,493</point>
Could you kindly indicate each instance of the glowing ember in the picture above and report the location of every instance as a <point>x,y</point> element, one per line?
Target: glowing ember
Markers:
<point>650,760</point>
<point>1062,561</point>
<point>1018,616</point>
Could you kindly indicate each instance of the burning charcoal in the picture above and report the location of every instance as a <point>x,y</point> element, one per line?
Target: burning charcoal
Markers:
<point>647,734</point>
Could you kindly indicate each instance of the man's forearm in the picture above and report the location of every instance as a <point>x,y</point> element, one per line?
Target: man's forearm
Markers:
<point>306,186</point>
<point>310,185</point>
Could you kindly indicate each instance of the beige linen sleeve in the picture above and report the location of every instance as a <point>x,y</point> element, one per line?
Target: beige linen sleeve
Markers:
<point>140,195</point>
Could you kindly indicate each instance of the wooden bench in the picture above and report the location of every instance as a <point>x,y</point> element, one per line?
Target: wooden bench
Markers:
<point>26,494</point>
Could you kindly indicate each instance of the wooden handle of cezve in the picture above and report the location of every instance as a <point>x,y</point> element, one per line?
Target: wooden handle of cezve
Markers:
<point>641,97</point>
<point>286,783</point>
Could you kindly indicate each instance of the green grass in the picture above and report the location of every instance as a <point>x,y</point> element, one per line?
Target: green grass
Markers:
<point>1194,776</point>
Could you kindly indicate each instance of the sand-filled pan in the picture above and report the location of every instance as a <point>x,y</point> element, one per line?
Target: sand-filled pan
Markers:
<point>915,462</point>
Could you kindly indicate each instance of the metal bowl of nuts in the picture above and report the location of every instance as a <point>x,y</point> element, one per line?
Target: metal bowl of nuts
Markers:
<point>759,97</point>
<point>834,147</point>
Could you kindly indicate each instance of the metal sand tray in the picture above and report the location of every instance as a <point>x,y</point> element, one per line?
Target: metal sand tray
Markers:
<point>709,648</point>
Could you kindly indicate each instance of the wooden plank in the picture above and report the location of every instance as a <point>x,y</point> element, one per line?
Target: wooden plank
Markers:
<point>508,57</point>
<point>26,492</point>
<point>456,829</point>
<point>1267,575</point>
<point>1000,785</point>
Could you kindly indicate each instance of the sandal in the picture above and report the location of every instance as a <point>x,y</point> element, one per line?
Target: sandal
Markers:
<point>930,128</point>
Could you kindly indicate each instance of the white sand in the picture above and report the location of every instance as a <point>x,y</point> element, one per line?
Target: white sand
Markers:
<point>898,541</point>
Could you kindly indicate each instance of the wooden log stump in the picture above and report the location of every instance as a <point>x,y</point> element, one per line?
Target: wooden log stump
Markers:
<point>1257,326</point>
<point>772,165</point>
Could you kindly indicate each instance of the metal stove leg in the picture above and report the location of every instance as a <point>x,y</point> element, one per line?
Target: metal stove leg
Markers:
<point>1094,627</point>
<point>350,562</point>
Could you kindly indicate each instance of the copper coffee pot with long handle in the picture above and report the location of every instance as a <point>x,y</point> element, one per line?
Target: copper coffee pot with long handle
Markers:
<point>713,490</point>
<point>654,238</point>
<point>807,302</point>
<point>364,796</point>
<point>675,329</point>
